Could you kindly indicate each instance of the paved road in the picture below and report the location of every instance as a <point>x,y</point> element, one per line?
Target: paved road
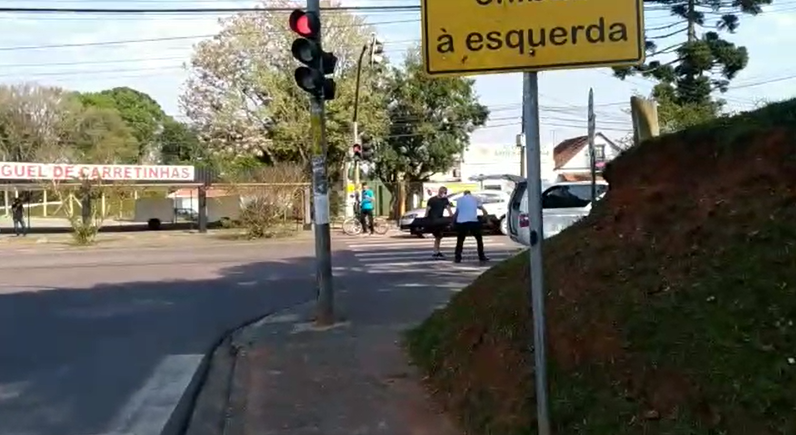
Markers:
<point>411,255</point>
<point>104,341</point>
<point>96,342</point>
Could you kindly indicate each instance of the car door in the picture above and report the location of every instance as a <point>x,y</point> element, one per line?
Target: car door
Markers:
<point>564,204</point>
<point>518,215</point>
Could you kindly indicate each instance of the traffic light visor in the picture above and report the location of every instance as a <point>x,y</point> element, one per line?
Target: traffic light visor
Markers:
<point>304,50</point>
<point>304,23</point>
<point>308,79</point>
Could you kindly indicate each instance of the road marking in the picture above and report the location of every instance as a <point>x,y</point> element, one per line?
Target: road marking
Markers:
<point>149,409</point>
<point>413,255</point>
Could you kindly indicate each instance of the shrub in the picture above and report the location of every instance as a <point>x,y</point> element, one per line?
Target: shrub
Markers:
<point>276,198</point>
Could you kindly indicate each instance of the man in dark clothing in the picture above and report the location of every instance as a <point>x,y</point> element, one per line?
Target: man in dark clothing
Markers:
<point>434,212</point>
<point>18,215</point>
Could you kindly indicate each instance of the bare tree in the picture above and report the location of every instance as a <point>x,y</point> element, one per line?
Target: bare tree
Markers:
<point>33,121</point>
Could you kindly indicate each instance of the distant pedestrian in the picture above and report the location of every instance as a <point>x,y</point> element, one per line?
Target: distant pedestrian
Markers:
<point>366,208</point>
<point>467,223</point>
<point>18,215</point>
<point>435,209</point>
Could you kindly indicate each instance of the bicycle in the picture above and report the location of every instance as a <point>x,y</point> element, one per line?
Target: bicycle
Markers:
<point>353,226</point>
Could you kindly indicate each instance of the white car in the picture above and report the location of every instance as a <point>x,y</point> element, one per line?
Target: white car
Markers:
<point>562,205</point>
<point>495,202</point>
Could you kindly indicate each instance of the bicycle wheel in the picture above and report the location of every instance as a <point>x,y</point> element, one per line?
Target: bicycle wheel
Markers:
<point>352,227</point>
<point>380,226</point>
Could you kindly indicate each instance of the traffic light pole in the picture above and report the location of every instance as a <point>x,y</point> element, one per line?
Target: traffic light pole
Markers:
<point>355,123</point>
<point>324,313</point>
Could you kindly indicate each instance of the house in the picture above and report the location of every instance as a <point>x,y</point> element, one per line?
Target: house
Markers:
<point>571,160</point>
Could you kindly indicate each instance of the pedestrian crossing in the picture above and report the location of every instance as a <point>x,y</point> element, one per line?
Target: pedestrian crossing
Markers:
<point>410,254</point>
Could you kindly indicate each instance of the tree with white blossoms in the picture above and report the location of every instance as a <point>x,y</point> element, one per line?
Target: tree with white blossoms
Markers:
<point>243,98</point>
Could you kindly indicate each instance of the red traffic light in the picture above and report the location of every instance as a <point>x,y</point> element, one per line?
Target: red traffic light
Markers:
<point>357,148</point>
<point>305,24</point>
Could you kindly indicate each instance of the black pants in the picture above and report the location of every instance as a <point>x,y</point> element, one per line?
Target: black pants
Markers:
<point>19,226</point>
<point>366,217</point>
<point>465,229</point>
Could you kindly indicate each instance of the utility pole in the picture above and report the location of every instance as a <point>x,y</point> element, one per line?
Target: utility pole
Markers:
<point>592,157</point>
<point>533,148</point>
<point>312,79</point>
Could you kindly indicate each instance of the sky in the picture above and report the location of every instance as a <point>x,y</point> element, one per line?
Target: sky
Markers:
<point>89,53</point>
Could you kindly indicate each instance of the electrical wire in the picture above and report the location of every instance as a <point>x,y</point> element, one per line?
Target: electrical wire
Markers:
<point>113,11</point>
<point>190,11</point>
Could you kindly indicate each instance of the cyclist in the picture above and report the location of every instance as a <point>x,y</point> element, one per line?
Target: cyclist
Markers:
<point>366,208</point>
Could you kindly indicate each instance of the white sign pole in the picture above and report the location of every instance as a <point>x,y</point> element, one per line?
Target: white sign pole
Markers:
<point>530,115</point>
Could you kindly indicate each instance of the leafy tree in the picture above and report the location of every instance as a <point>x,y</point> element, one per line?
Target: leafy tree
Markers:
<point>141,113</point>
<point>430,122</point>
<point>180,143</point>
<point>245,103</point>
<point>100,135</point>
<point>44,124</point>
<point>703,63</point>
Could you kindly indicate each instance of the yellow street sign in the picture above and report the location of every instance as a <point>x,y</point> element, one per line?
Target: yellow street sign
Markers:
<point>466,37</point>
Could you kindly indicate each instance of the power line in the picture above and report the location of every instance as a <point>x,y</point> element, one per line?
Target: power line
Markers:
<point>173,38</point>
<point>111,11</point>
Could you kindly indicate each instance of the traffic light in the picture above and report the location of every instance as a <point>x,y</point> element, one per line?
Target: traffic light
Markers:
<point>357,149</point>
<point>376,52</point>
<point>367,147</point>
<point>307,50</point>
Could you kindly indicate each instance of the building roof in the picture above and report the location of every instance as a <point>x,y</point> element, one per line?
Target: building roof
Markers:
<point>567,149</point>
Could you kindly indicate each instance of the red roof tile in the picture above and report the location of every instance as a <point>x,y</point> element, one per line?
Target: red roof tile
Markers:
<point>566,150</point>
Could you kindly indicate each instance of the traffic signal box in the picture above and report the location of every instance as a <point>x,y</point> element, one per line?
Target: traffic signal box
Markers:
<point>367,147</point>
<point>307,49</point>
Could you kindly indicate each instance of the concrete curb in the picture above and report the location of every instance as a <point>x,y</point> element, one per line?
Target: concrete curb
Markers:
<point>220,359</point>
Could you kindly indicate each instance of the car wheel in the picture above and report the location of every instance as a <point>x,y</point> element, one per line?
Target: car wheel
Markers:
<point>504,226</point>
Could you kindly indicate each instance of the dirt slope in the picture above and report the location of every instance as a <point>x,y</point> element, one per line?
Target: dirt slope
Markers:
<point>671,308</point>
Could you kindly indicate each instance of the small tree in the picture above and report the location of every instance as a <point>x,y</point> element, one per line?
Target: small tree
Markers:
<point>86,220</point>
<point>431,120</point>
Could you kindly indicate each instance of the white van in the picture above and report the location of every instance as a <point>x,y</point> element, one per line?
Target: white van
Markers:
<point>562,204</point>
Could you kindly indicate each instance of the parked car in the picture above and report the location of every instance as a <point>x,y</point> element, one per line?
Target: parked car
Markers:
<point>562,204</point>
<point>495,202</point>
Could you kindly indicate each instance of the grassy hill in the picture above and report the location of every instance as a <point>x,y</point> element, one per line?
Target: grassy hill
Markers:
<point>671,308</point>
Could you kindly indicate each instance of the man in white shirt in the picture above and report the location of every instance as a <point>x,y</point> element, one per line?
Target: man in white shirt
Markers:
<point>466,222</point>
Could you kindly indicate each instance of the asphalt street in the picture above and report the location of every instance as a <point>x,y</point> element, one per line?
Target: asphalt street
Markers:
<point>104,341</point>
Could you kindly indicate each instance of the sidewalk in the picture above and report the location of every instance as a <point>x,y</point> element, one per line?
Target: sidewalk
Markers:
<point>282,376</point>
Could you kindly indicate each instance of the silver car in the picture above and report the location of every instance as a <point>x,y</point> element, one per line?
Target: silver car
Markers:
<point>562,204</point>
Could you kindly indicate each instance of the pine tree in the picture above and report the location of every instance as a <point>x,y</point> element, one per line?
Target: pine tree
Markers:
<point>704,62</point>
